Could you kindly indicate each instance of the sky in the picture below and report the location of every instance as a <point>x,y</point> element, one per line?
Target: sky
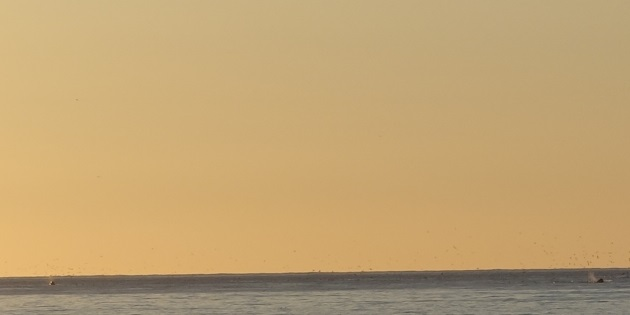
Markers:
<point>187,137</point>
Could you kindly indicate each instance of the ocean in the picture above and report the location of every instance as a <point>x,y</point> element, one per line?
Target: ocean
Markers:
<point>426,292</point>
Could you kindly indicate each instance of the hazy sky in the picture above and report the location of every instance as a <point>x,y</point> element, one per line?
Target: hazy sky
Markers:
<point>142,137</point>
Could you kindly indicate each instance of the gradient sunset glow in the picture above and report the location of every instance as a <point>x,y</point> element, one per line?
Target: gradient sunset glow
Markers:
<point>165,137</point>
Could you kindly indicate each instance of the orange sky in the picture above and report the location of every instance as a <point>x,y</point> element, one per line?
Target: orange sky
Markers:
<point>143,137</point>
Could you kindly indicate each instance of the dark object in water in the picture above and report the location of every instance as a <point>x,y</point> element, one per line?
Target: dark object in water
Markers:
<point>51,283</point>
<point>600,280</point>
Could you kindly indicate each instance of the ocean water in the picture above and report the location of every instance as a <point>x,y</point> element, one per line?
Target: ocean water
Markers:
<point>449,292</point>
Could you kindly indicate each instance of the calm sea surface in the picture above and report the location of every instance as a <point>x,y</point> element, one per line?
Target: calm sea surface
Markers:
<point>453,292</point>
